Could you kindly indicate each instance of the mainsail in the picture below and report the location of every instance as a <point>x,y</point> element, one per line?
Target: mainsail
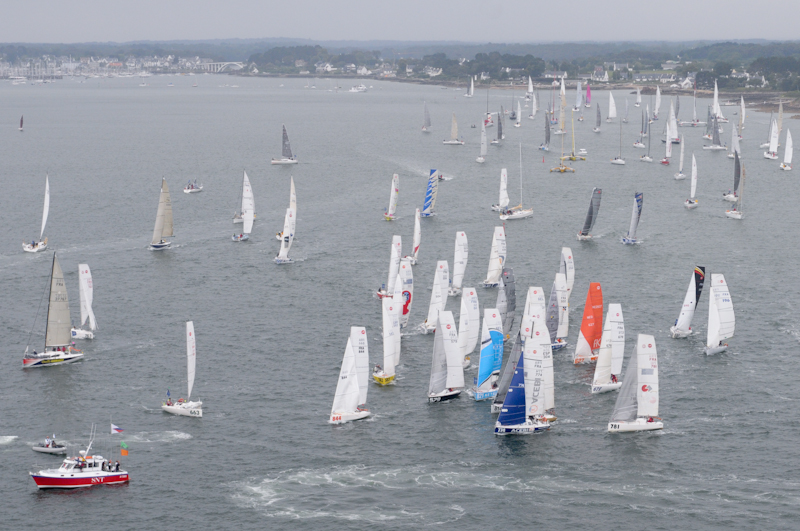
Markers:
<point>497,257</point>
<point>191,358</point>
<point>87,295</point>
<point>427,117</point>
<point>430,195</point>
<point>46,209</point>
<point>647,381</point>
<point>58,319</point>
<point>248,205</point>
<point>287,148</point>
<point>454,128</point>
<point>626,407</point>
<point>591,216</point>
<point>721,319</point>
<point>638,199</point>
<point>163,227</point>
<point>684,322</point>
<point>393,196</point>
<point>460,260</point>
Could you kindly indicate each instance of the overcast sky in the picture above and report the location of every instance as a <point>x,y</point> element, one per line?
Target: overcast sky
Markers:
<point>461,20</point>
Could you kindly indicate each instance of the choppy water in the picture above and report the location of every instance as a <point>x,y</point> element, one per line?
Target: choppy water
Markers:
<point>270,338</point>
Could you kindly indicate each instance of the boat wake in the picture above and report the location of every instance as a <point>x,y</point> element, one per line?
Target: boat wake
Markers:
<point>159,437</point>
<point>8,439</point>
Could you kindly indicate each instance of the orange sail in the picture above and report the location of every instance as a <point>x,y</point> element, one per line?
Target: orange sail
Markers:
<point>591,326</point>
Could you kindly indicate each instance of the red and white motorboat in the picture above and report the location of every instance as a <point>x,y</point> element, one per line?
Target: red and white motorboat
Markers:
<point>78,472</point>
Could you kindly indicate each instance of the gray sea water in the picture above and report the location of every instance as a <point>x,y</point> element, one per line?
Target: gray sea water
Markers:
<point>270,338</point>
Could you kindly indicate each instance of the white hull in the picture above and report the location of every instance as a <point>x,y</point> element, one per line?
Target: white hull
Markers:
<point>453,292</point>
<point>645,158</point>
<point>605,388</point>
<point>341,418</point>
<point>677,333</point>
<point>240,238</point>
<point>730,197</point>
<point>52,450</point>
<point>786,167</point>
<point>769,155</point>
<point>480,160</point>
<point>193,190</point>
<point>239,220</point>
<point>618,162</point>
<point>559,344</point>
<point>710,351</point>
<point>595,130</point>
<point>583,238</point>
<point>186,409</point>
<point>680,176</point>
<point>721,148</point>
<point>51,359</point>
<point>518,214</point>
<point>733,214</point>
<point>639,145</point>
<point>635,425</point>
<point>691,205</point>
<point>528,428</point>
<point>160,246</point>
<point>412,260</point>
<point>279,260</point>
<point>38,247</point>
<point>630,241</point>
<point>283,161</point>
<point>453,142</point>
<point>79,333</point>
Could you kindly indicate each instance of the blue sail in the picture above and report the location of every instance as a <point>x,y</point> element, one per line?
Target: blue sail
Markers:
<point>487,363</point>
<point>430,195</point>
<point>497,344</point>
<point>513,411</point>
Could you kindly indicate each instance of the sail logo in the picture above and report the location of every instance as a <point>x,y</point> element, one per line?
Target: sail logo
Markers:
<point>646,388</point>
<point>363,331</point>
<point>448,327</point>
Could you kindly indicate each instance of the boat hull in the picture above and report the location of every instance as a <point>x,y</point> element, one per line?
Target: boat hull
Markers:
<point>282,162</point>
<point>786,167</point>
<point>677,333</point>
<point>605,388</point>
<point>618,162</point>
<point>691,205</point>
<point>61,358</point>
<point>341,418</point>
<point>639,145</point>
<point>635,425</point>
<point>193,190</point>
<point>710,351</point>
<point>242,238</point>
<point>645,158</point>
<point>279,260</point>
<point>680,176</point>
<point>733,214</point>
<point>584,237</point>
<point>479,396</point>
<point>528,428</point>
<point>630,241</point>
<point>730,197</point>
<point>187,409</point>
<point>52,450</point>
<point>382,378</point>
<point>36,248</point>
<point>79,333</point>
<point>77,480</point>
<point>558,345</point>
<point>518,214</point>
<point>447,394</point>
<point>453,142</point>
<point>160,246</point>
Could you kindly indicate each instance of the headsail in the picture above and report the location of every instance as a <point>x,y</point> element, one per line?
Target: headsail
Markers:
<point>87,295</point>
<point>248,205</point>
<point>191,357</point>
<point>358,342</point>
<point>348,390</point>
<point>460,260</point>
<point>626,407</point>
<point>638,199</point>
<point>46,209</point>
<point>430,195</point>
<point>591,326</point>
<point>393,195</point>
<point>721,319</point>
<point>504,200</point>
<point>647,384</point>
<point>684,322</point>
<point>497,257</point>
<point>163,227</point>
<point>469,321</point>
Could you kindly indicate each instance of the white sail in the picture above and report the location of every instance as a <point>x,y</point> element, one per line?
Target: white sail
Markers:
<point>680,168</point>
<point>436,304</point>
<point>578,95</point>
<point>647,367</point>
<point>548,378</point>
<point>735,141</point>
<point>638,96</point>
<point>407,287</point>
<point>417,235</point>
<point>530,85</point>
<point>163,227</point>
<point>468,322</point>
<point>292,197</point>
<point>658,101</point>
<point>455,361</point>
<point>358,342</point>
<point>612,107</point>
<point>568,268</point>
<point>787,155</point>
<point>716,109</point>
<point>248,205</point>
<point>497,257</point>
<point>742,114</point>
<point>87,294</point>
<point>460,260</point>
<point>563,305</point>
<point>58,317</point>
<point>683,325</point>
<point>397,312</point>
<point>533,356</point>
<point>454,128</point>
<point>191,357</point>
<point>288,234</point>
<point>394,262</point>
<point>612,346</point>
<point>389,342</point>
<point>673,124</point>
<point>483,140</point>
<point>443,272</point>
<point>504,200</point>
<point>721,319</point>
<point>668,152</point>
<point>519,113</point>
<point>46,209</point>
<point>694,177</point>
<point>774,134</point>
<point>636,214</point>
<point>348,391</point>
<point>393,195</point>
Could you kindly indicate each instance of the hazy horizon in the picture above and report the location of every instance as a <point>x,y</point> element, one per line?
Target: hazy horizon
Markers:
<point>462,21</point>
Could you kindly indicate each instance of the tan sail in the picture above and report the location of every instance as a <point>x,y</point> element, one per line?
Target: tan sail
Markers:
<point>163,226</point>
<point>58,320</point>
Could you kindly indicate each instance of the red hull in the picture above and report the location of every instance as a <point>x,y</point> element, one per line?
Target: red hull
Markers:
<point>45,482</point>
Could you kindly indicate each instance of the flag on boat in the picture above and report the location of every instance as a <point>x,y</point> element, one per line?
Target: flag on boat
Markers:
<point>123,448</point>
<point>116,429</point>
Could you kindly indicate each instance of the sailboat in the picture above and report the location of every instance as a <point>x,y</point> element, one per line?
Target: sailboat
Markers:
<point>441,283</point>
<point>163,227</point>
<point>591,216</point>
<point>780,118</point>
<point>772,150</point>
<point>769,132</point>
<point>497,258</point>
<point>185,407</point>
<point>86,290</point>
<point>557,313</point>
<point>431,192</point>
<point>736,211</point>
<point>618,160</point>
<point>638,102</point>
<point>672,130</point>
<point>506,302</point>
<point>710,125</point>
<point>454,141</point>
<point>412,258</point>
<point>638,200</point>
<point>502,204</point>
<point>645,130</point>
<point>41,245</point>
<point>482,157</point>
<point>591,326</point>
<point>491,360</point>
<point>637,403</point>
<point>20,122</point>
<point>596,128</point>
<point>562,118</point>
<point>588,103</point>
<point>488,121</point>
<point>692,203</point>
<point>292,205</point>
<point>625,118</point>
<point>286,151</point>
<point>523,409</point>
<point>517,212</point>
<point>391,327</point>
<point>578,97</point>
<point>471,90</point>
<point>468,324</point>
<point>426,118</point>
<point>658,103</point>
<point>545,146</point>
<point>612,350</point>
<point>683,324</point>
<point>447,369</point>
<point>387,290</point>
<point>721,319</point>
<point>580,117</point>
<point>393,195</point>
<point>351,389</point>
<point>695,121</point>
<point>530,95</point>
<point>786,165</point>
<point>680,175</point>
<point>668,149</point>
<point>572,155</point>
<point>639,144</point>
<point>459,263</point>
<point>612,108</point>
<point>518,123</point>
<point>289,222</point>
<point>500,120</point>
<point>741,117</point>
<point>505,378</point>
<point>248,210</point>
<point>733,195</point>
<point>406,291</point>
<point>716,144</point>
<point>735,136</point>
<point>534,107</point>
<point>717,111</point>
<point>57,348</point>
